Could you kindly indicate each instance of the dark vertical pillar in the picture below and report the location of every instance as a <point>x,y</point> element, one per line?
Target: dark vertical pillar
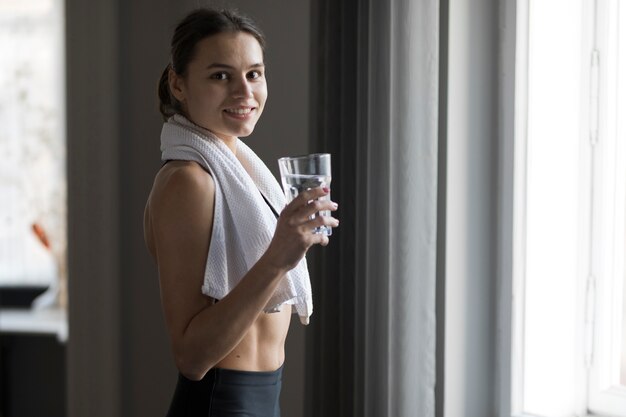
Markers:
<point>333,389</point>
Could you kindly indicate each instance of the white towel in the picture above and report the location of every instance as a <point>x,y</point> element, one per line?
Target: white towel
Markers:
<point>243,224</point>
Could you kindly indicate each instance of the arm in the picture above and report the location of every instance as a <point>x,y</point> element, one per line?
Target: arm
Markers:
<point>203,333</point>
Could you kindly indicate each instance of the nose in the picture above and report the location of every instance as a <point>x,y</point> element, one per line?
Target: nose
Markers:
<point>242,88</point>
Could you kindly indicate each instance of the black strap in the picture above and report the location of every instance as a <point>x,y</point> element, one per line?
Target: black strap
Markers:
<point>270,206</point>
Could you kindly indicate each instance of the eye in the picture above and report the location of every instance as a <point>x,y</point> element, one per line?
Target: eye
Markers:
<point>219,76</point>
<point>255,74</point>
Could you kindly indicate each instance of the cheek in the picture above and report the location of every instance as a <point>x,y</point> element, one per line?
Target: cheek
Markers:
<point>262,96</point>
<point>204,103</point>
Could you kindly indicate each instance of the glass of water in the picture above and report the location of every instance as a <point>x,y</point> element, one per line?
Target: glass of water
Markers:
<point>301,173</point>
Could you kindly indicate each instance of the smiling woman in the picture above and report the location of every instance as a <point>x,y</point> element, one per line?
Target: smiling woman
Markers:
<point>226,260</point>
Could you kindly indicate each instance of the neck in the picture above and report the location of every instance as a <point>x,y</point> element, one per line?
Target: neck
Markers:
<point>230,141</point>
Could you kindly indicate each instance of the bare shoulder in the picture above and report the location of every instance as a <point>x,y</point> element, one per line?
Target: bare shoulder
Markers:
<point>179,178</point>
<point>181,199</point>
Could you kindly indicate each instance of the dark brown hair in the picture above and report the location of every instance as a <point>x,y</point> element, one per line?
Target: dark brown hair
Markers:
<point>196,26</point>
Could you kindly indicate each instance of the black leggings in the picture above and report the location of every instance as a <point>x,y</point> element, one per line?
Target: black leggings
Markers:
<point>228,393</point>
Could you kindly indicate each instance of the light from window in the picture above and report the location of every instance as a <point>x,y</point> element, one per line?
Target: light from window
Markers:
<point>607,383</point>
<point>620,35</point>
<point>552,209</point>
<point>32,142</point>
<point>570,326</point>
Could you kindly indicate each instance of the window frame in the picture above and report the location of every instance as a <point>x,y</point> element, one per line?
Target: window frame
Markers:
<point>608,215</point>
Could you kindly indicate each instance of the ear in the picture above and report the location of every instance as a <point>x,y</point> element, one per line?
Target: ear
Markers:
<point>176,84</point>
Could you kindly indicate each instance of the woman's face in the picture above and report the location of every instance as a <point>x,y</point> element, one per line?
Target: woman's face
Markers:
<point>224,89</point>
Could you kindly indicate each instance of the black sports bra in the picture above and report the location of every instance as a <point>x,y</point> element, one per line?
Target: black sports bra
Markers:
<point>269,205</point>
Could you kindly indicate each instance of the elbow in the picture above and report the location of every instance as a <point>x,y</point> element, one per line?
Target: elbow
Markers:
<point>190,368</point>
<point>192,376</point>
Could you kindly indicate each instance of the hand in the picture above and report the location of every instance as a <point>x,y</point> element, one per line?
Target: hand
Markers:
<point>294,231</point>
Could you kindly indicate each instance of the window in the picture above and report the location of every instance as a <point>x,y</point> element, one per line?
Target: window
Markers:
<point>569,343</point>
<point>32,143</point>
<point>607,384</point>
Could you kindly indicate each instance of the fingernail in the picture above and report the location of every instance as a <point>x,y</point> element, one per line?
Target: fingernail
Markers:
<point>335,205</point>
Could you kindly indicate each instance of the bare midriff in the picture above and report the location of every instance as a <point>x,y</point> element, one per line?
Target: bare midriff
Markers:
<point>263,347</point>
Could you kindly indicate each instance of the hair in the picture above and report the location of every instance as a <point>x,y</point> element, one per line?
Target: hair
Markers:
<point>196,26</point>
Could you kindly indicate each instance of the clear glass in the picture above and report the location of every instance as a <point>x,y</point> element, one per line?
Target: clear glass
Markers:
<point>301,173</point>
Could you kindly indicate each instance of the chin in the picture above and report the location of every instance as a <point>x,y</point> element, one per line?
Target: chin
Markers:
<point>242,133</point>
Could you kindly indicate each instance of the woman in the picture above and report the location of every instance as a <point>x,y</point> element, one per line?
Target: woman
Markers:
<point>231,270</point>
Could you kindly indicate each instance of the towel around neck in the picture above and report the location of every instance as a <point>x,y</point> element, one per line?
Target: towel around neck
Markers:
<point>243,224</point>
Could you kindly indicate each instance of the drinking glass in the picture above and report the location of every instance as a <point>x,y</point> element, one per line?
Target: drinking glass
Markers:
<point>301,173</point>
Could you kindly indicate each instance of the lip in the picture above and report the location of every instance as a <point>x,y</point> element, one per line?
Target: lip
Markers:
<point>240,116</point>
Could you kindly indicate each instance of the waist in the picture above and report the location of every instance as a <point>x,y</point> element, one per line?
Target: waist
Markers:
<point>263,347</point>
<point>228,392</point>
<point>237,377</point>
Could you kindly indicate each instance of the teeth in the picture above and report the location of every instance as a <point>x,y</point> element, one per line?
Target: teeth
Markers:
<point>239,111</point>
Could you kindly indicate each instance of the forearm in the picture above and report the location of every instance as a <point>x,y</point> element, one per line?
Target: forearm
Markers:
<point>217,329</point>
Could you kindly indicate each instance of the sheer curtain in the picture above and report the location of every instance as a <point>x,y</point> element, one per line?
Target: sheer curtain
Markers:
<point>375,108</point>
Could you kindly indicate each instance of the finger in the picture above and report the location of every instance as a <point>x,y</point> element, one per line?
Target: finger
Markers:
<point>305,196</point>
<point>323,240</point>
<point>305,213</point>
<point>314,207</point>
<point>319,239</point>
<point>310,209</point>
<point>303,199</point>
<point>319,221</point>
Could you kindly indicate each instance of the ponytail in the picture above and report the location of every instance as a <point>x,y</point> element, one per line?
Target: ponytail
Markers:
<point>168,105</point>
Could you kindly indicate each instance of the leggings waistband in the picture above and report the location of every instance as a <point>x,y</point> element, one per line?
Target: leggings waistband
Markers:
<point>228,392</point>
<point>232,376</point>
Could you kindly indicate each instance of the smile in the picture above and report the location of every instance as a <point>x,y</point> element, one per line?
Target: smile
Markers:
<point>239,111</point>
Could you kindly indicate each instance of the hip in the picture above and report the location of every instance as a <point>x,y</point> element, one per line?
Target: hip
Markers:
<point>228,393</point>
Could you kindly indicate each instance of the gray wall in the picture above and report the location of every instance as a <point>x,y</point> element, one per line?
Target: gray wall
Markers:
<point>119,361</point>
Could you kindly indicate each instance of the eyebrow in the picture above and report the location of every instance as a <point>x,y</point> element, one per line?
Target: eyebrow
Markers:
<point>218,65</point>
